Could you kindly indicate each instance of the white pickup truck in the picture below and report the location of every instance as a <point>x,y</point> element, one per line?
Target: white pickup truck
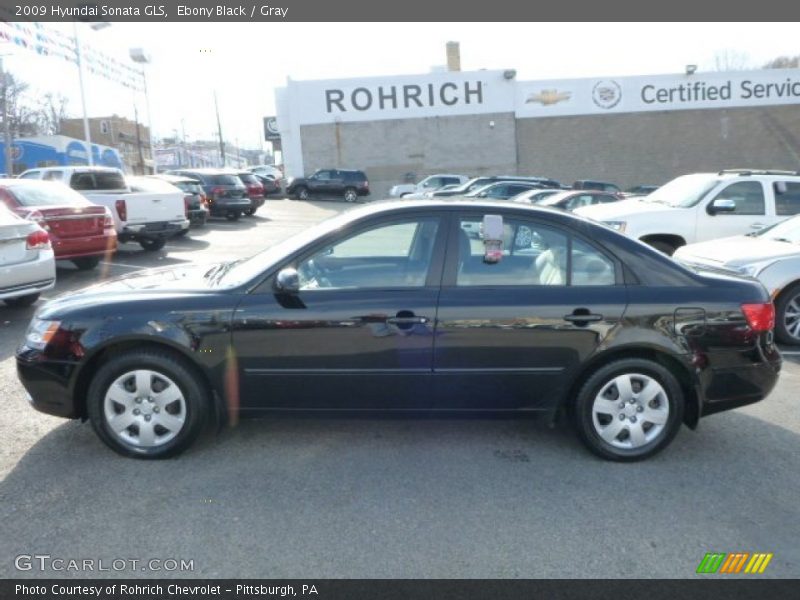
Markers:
<point>144,217</point>
<point>429,184</point>
<point>703,206</point>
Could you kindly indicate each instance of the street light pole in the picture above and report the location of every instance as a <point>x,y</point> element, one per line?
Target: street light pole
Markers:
<point>139,55</point>
<point>86,133</point>
<point>219,129</point>
<point>9,159</point>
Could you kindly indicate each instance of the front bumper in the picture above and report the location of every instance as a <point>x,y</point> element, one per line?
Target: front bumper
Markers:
<point>47,384</point>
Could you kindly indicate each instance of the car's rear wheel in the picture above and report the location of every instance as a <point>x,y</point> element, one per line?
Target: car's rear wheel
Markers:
<point>629,409</point>
<point>21,301</point>
<point>232,215</point>
<point>147,404</point>
<point>787,316</point>
<point>302,193</point>
<point>86,263</point>
<point>250,211</point>
<point>152,244</point>
<point>350,195</point>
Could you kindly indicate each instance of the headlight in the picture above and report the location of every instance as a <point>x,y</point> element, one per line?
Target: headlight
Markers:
<point>40,332</point>
<point>616,225</point>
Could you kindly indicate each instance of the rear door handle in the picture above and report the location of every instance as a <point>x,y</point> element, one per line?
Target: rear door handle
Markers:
<point>406,320</point>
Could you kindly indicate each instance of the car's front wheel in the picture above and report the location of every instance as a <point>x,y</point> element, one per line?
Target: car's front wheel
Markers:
<point>302,193</point>
<point>787,315</point>
<point>147,404</point>
<point>629,409</point>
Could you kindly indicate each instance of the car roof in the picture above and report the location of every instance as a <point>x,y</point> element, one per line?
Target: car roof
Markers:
<point>172,178</point>
<point>76,169</point>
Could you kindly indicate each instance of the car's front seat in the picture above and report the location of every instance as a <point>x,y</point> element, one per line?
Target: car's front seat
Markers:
<point>548,269</point>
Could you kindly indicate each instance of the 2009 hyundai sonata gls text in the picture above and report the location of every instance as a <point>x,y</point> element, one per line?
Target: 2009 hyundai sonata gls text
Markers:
<point>394,307</point>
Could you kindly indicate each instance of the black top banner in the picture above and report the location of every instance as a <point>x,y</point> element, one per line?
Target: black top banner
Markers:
<point>395,11</point>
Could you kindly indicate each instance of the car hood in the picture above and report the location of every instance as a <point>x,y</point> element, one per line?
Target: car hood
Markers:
<point>148,283</point>
<point>737,251</point>
<point>614,211</point>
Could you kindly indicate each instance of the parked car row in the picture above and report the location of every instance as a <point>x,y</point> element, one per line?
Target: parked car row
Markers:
<point>82,213</point>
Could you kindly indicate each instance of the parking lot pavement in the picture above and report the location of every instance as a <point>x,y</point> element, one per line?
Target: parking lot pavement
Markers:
<point>380,497</point>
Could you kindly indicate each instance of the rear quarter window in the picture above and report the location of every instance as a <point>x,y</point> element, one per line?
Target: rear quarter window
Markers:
<point>97,181</point>
<point>223,180</point>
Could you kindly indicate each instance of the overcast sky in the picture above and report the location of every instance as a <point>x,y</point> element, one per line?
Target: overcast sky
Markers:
<point>245,62</point>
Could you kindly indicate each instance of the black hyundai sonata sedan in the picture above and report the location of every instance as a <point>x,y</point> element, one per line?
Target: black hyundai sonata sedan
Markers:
<point>393,306</point>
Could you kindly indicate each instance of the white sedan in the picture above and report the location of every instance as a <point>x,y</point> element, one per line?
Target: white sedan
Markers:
<point>772,255</point>
<point>27,265</point>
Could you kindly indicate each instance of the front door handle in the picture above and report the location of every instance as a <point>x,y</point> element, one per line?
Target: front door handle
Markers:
<point>581,316</point>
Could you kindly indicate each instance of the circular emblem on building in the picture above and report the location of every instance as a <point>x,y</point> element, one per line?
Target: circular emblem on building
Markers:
<point>606,93</point>
<point>16,152</point>
<point>272,126</point>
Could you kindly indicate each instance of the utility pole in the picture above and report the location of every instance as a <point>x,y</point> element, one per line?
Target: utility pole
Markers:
<point>219,129</point>
<point>86,131</point>
<point>7,141</point>
<point>139,140</point>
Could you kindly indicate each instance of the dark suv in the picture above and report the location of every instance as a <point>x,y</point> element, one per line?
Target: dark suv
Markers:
<point>347,183</point>
<point>226,194</point>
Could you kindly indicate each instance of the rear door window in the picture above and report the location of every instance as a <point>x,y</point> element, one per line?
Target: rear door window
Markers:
<point>787,198</point>
<point>100,180</point>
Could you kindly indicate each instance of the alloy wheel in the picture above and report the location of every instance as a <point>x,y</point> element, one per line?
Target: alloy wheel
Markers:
<point>791,317</point>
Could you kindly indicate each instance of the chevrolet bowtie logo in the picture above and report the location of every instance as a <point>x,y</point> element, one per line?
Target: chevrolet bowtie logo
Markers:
<point>548,97</point>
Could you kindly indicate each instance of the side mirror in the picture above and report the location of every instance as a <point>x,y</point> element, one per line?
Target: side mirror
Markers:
<point>288,281</point>
<point>721,205</point>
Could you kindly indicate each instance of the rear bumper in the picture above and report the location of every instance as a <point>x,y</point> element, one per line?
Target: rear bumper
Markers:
<point>30,277</point>
<point>226,205</point>
<point>198,215</point>
<point>153,230</point>
<point>85,246</point>
<point>750,380</point>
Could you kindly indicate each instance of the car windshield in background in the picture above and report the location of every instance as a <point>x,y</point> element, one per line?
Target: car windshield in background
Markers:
<point>683,192</point>
<point>247,178</point>
<point>224,180</point>
<point>47,194</point>
<point>785,231</point>
<point>189,187</point>
<point>97,180</point>
<point>551,199</point>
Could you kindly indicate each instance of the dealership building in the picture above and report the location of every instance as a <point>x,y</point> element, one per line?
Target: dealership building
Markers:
<point>628,130</point>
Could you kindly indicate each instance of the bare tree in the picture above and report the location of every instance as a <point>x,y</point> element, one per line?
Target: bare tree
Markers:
<point>783,62</point>
<point>731,60</point>
<point>53,109</point>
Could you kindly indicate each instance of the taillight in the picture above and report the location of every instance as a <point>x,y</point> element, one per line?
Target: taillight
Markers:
<point>108,220</point>
<point>760,317</point>
<point>122,210</point>
<point>38,218</point>
<point>204,200</point>
<point>38,240</point>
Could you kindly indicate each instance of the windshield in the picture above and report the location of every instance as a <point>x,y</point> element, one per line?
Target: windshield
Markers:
<point>243,271</point>
<point>684,192</point>
<point>785,231</point>
<point>47,194</point>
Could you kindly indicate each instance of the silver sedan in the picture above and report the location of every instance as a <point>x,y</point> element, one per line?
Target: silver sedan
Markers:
<point>27,266</point>
<point>772,255</point>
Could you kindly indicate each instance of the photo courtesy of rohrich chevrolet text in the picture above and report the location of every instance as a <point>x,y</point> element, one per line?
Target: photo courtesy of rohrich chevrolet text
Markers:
<point>412,300</point>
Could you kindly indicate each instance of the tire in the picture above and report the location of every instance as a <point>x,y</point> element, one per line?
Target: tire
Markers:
<point>152,244</point>
<point>86,263</point>
<point>21,301</point>
<point>664,247</point>
<point>174,423</point>
<point>350,194</point>
<point>182,233</point>
<point>250,212</point>
<point>598,416</point>
<point>302,193</point>
<point>233,215</point>
<point>787,315</point>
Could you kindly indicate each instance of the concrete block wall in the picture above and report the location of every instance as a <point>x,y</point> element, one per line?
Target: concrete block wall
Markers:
<point>387,150</point>
<point>654,147</point>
